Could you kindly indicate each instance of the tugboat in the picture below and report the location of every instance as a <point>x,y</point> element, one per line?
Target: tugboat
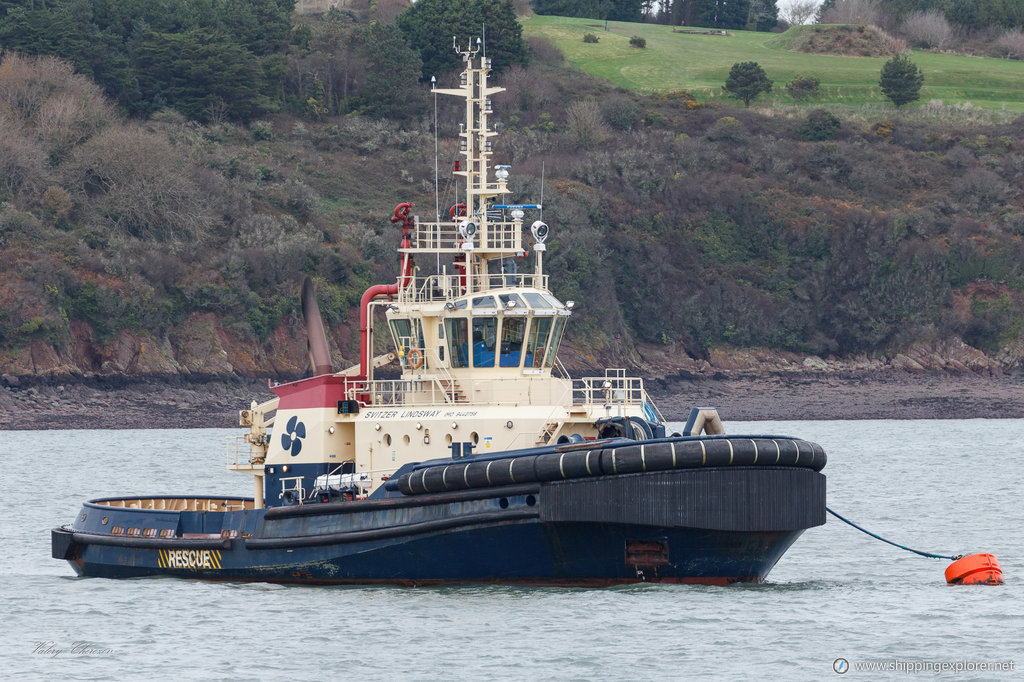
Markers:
<point>485,461</point>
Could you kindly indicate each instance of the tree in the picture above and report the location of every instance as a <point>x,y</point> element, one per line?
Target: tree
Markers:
<point>428,26</point>
<point>799,12</point>
<point>392,69</point>
<point>746,81</point>
<point>901,80</point>
<point>803,87</point>
<point>763,14</point>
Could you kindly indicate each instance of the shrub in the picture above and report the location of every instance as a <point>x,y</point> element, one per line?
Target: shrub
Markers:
<point>803,87</point>
<point>586,124</point>
<point>637,41</point>
<point>56,201</point>
<point>820,125</point>
<point>620,112</point>
<point>590,38</point>
<point>726,129</point>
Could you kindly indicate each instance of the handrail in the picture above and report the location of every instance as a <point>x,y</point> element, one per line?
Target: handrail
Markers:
<point>611,389</point>
<point>438,288</point>
<point>493,235</point>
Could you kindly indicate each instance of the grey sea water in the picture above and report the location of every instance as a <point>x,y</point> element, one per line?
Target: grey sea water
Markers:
<point>943,486</point>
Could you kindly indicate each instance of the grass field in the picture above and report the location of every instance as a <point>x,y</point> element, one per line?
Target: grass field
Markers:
<point>701,63</point>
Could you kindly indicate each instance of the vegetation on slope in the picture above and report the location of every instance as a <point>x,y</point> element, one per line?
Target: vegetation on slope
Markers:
<point>171,245</point>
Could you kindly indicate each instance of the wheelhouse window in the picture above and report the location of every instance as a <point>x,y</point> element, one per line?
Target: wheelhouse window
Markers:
<point>483,302</point>
<point>485,336</point>
<point>513,329</point>
<point>458,340</point>
<point>536,300</point>
<point>512,301</point>
<point>537,340</point>
<point>556,339</point>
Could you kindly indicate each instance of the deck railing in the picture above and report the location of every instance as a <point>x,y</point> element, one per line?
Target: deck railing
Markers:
<point>615,388</point>
<point>446,287</point>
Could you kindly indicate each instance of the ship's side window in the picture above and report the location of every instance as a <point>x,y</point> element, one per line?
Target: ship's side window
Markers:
<point>408,336</point>
<point>402,332</point>
<point>512,332</point>
<point>556,338</point>
<point>537,341</point>
<point>458,341</point>
<point>485,334</point>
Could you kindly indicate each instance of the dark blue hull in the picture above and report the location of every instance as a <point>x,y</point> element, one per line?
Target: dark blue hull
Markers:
<point>714,525</point>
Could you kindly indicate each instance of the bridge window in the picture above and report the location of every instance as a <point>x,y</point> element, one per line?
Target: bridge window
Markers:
<point>512,331</point>
<point>536,300</point>
<point>484,302</point>
<point>514,299</point>
<point>458,341</point>
<point>556,339</point>
<point>537,340</point>
<point>485,336</point>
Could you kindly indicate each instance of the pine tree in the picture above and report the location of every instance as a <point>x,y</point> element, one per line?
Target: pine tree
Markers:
<point>746,81</point>
<point>901,80</point>
<point>464,19</point>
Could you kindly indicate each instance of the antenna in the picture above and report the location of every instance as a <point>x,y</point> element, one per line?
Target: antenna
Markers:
<point>542,190</point>
<point>437,191</point>
<point>483,30</point>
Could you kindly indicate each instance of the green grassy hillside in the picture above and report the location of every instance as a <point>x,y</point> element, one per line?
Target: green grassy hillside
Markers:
<point>700,64</point>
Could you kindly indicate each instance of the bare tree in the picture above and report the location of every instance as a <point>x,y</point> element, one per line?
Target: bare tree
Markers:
<point>799,12</point>
<point>140,184</point>
<point>927,29</point>
<point>24,172</point>
<point>853,12</point>
<point>1012,43</point>
<point>44,94</point>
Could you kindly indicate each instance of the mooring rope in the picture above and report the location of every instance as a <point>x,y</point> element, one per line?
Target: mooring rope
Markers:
<point>879,537</point>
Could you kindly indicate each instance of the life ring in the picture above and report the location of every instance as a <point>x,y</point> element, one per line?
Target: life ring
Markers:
<point>457,209</point>
<point>538,359</point>
<point>415,358</point>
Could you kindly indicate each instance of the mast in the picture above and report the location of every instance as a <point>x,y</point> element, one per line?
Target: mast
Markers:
<point>487,230</point>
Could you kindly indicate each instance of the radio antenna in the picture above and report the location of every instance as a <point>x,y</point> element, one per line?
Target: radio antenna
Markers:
<point>437,190</point>
<point>542,190</point>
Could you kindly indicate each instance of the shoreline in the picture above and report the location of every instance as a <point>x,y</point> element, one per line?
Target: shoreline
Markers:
<point>121,403</point>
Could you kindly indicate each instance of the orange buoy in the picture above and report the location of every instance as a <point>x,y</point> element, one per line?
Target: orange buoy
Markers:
<point>975,569</point>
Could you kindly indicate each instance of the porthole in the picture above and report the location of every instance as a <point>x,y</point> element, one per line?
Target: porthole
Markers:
<point>405,439</point>
<point>387,439</point>
<point>476,438</point>
<point>448,439</point>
